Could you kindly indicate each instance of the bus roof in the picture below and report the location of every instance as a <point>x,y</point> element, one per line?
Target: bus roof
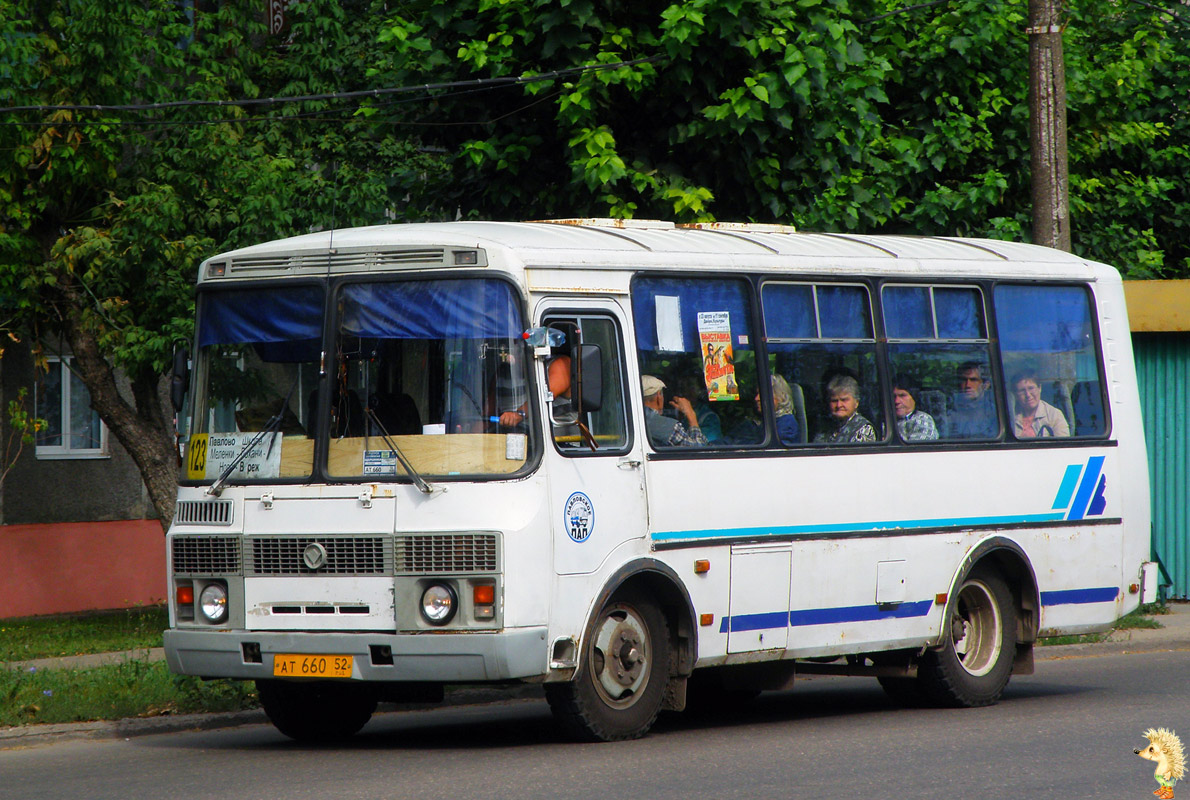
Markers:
<point>638,244</point>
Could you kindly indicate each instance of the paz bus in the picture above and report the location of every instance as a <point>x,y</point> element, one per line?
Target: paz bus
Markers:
<point>642,463</point>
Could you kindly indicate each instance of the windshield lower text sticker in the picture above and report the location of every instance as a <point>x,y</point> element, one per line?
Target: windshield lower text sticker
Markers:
<point>579,517</point>
<point>380,462</point>
<point>209,455</point>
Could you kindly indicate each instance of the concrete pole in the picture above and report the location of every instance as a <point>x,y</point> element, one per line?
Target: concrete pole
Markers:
<point>1047,126</point>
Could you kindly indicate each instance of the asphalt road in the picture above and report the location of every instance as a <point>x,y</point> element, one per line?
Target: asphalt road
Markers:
<point>1068,731</point>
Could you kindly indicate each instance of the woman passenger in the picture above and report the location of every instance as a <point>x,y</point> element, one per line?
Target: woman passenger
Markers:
<point>913,425</point>
<point>847,425</point>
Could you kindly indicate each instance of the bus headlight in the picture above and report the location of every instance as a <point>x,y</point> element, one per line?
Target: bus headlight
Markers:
<point>439,603</point>
<point>212,602</point>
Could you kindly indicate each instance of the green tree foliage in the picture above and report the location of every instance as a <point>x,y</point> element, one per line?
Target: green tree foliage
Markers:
<point>104,214</point>
<point>864,115</point>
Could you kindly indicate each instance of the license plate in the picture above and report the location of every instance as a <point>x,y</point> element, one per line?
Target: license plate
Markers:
<point>286,665</point>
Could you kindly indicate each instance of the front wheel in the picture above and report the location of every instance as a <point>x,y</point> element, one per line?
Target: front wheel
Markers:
<point>316,711</point>
<point>621,678</point>
<point>973,665</point>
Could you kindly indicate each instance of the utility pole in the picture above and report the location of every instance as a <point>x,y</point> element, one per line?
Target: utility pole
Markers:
<point>1047,126</point>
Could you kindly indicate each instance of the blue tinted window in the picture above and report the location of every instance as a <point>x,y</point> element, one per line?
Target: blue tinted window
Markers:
<point>789,311</point>
<point>1047,342</point>
<point>907,312</point>
<point>843,312</point>
<point>959,313</point>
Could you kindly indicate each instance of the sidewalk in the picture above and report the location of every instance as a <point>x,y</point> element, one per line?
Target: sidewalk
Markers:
<point>1174,635</point>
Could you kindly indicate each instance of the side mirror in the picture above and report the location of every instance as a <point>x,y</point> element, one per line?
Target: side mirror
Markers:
<point>586,378</point>
<point>179,382</point>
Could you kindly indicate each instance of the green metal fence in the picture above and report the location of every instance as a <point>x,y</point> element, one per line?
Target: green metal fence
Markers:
<point>1163,374</point>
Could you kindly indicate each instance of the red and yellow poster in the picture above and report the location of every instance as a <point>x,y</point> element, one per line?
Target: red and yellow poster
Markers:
<point>714,338</point>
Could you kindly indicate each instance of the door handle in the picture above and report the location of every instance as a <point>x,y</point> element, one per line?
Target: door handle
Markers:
<point>628,463</point>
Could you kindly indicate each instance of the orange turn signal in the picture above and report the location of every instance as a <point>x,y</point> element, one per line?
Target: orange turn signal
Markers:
<point>706,619</point>
<point>940,599</point>
<point>485,594</point>
<point>702,565</point>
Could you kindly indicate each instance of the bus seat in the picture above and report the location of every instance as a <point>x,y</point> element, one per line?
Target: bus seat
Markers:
<point>798,397</point>
<point>1086,403</point>
<point>1060,399</point>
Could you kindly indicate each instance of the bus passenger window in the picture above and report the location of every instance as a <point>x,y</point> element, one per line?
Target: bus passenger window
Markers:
<point>1047,342</point>
<point>822,347</point>
<point>694,338</point>
<point>938,350</point>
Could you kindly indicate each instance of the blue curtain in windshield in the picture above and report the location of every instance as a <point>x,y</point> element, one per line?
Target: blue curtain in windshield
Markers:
<point>447,309</point>
<point>256,316</point>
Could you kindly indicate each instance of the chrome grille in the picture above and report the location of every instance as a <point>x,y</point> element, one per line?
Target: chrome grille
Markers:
<point>438,553</point>
<point>203,512</point>
<point>346,555</point>
<point>206,555</point>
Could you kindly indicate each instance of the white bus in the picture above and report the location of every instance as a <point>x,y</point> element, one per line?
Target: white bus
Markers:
<point>624,459</point>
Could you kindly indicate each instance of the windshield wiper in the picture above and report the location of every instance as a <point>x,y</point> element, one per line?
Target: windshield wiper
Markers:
<point>216,488</point>
<point>418,480</point>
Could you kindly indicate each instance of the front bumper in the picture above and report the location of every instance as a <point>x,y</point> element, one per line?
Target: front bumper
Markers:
<point>425,657</point>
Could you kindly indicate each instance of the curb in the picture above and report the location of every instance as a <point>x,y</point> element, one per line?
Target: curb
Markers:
<point>147,726</point>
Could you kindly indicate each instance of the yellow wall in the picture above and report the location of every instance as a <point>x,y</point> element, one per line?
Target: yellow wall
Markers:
<point>1158,305</point>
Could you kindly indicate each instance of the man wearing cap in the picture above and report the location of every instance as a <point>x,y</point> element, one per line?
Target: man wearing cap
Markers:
<point>664,431</point>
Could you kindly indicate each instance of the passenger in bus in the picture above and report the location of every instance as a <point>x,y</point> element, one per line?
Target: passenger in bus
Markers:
<point>694,389</point>
<point>664,431</point>
<point>557,372</point>
<point>787,427</point>
<point>973,415</point>
<point>847,424</point>
<point>1034,417</point>
<point>913,424</point>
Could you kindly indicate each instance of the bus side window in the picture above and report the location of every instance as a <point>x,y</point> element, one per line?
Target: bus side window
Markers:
<point>938,349</point>
<point>1047,342</point>
<point>609,423</point>
<point>817,334</point>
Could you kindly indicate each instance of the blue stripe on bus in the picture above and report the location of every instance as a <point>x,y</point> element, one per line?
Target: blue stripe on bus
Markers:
<point>772,620</point>
<point>843,527</point>
<point>1103,594</point>
<point>1086,487</point>
<point>1066,490</point>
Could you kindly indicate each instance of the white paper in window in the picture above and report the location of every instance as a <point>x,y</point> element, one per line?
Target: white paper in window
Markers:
<point>669,323</point>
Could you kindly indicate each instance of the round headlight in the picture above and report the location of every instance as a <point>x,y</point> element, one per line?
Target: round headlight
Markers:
<point>213,602</point>
<point>438,604</point>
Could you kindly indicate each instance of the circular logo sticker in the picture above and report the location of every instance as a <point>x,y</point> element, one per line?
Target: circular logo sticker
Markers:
<point>579,517</point>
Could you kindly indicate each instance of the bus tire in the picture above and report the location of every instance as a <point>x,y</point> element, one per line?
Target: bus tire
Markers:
<point>316,711</point>
<point>620,683</point>
<point>973,665</point>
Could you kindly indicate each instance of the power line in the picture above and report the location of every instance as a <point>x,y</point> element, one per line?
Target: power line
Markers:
<point>427,87</point>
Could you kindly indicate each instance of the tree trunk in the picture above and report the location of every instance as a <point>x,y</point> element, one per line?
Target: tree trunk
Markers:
<point>143,431</point>
<point>1047,126</point>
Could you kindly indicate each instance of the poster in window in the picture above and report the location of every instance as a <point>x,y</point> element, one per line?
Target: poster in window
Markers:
<point>714,337</point>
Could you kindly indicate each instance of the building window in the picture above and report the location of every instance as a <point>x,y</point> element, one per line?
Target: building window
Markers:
<point>73,428</point>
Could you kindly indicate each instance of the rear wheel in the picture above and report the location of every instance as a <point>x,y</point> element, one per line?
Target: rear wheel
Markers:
<point>975,661</point>
<point>316,711</point>
<point>620,684</point>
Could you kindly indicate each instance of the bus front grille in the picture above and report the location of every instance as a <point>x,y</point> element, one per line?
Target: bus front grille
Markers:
<point>331,555</point>
<point>203,512</point>
<point>436,553</point>
<point>206,555</point>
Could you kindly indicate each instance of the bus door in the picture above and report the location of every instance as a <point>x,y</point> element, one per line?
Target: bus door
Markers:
<point>593,460</point>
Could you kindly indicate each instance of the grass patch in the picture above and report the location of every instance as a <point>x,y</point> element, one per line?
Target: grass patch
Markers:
<point>1140,618</point>
<point>116,691</point>
<point>79,634</point>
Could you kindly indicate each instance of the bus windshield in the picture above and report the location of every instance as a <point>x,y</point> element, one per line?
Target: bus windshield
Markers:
<point>422,375</point>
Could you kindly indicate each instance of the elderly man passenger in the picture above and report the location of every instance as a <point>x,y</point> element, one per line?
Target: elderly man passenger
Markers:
<point>664,431</point>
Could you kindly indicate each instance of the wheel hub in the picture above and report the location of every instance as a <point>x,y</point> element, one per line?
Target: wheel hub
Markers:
<point>619,658</point>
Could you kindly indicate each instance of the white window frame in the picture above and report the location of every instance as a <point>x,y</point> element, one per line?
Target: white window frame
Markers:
<point>64,450</point>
